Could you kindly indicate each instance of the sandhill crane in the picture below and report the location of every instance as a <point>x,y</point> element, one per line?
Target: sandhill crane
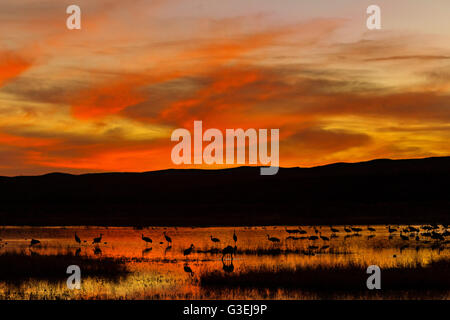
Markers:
<point>313,238</point>
<point>34,241</point>
<point>234,236</point>
<point>98,239</point>
<point>168,239</point>
<point>391,230</point>
<point>371,229</point>
<point>323,237</point>
<point>301,231</point>
<point>77,239</point>
<point>403,237</point>
<point>291,231</point>
<point>97,251</point>
<point>412,229</point>
<point>333,229</point>
<point>356,229</point>
<point>273,239</point>
<point>188,251</point>
<point>228,250</point>
<point>436,236</point>
<point>188,270</point>
<point>347,229</point>
<point>146,239</point>
<point>146,250</point>
<point>315,230</point>
<point>215,240</point>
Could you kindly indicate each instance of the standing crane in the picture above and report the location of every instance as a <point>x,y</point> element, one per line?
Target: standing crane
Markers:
<point>215,239</point>
<point>168,239</point>
<point>146,239</point>
<point>34,241</point>
<point>77,238</point>
<point>188,251</point>
<point>273,239</point>
<point>98,239</point>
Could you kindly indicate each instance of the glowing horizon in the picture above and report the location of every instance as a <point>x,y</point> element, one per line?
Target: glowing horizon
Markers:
<point>108,96</point>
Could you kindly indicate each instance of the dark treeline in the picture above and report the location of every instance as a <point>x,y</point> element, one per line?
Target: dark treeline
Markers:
<point>379,191</point>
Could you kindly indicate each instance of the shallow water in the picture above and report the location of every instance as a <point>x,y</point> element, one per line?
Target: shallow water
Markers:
<point>158,270</point>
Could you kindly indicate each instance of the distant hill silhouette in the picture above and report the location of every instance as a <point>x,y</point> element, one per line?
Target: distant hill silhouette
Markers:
<point>378,191</point>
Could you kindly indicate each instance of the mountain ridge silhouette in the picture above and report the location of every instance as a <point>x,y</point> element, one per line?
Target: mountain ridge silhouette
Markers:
<point>376,191</point>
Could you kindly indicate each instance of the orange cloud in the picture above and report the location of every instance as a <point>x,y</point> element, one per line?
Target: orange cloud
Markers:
<point>11,66</point>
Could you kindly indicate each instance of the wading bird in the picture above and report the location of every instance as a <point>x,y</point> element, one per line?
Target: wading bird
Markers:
<point>391,230</point>
<point>403,237</point>
<point>323,237</point>
<point>188,251</point>
<point>333,229</point>
<point>273,239</point>
<point>371,229</point>
<point>214,239</point>
<point>77,239</point>
<point>34,241</point>
<point>234,236</point>
<point>188,270</point>
<point>228,250</point>
<point>347,229</point>
<point>98,239</point>
<point>168,239</point>
<point>146,239</point>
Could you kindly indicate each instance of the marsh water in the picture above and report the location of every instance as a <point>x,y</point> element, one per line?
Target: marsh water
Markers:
<point>158,270</point>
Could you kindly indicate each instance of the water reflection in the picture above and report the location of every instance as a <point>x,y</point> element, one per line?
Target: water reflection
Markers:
<point>164,261</point>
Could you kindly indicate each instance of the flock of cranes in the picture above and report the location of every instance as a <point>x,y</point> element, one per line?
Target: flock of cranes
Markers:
<point>409,233</point>
<point>425,234</point>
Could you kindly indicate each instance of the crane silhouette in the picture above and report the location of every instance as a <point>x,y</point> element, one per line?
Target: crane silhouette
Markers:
<point>273,239</point>
<point>98,239</point>
<point>323,237</point>
<point>391,230</point>
<point>188,269</point>
<point>228,250</point>
<point>333,229</point>
<point>146,239</point>
<point>188,251</point>
<point>234,236</point>
<point>34,241</point>
<point>371,229</point>
<point>403,237</point>
<point>215,239</point>
<point>77,239</point>
<point>168,239</point>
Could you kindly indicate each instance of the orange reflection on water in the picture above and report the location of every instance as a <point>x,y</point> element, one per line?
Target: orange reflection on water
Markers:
<point>158,268</point>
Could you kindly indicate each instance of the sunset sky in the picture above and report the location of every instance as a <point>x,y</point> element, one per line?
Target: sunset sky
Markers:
<point>107,97</point>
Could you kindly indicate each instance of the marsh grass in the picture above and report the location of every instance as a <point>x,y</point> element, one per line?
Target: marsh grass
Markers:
<point>18,267</point>
<point>350,277</point>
